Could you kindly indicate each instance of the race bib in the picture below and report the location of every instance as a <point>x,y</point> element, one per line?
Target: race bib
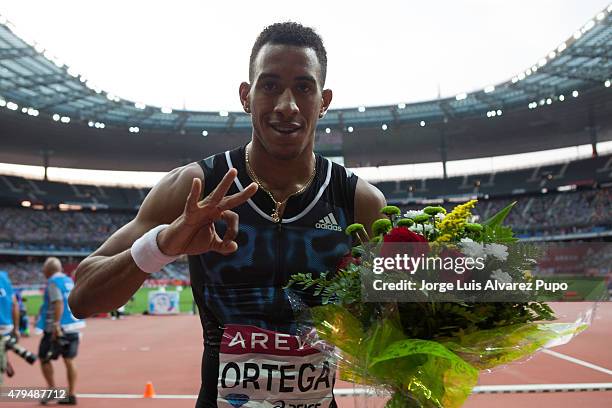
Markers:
<point>263,368</point>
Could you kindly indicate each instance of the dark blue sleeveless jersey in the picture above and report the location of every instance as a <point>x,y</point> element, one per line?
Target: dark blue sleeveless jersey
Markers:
<point>246,289</point>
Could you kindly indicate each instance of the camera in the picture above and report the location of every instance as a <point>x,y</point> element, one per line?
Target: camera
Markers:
<point>10,343</point>
<point>57,346</point>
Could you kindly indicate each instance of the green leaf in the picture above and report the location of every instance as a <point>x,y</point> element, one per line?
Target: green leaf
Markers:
<point>498,219</point>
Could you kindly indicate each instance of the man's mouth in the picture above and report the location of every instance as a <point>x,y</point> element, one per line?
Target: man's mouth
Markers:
<point>286,128</point>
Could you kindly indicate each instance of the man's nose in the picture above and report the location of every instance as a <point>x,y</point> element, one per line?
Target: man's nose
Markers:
<point>286,104</point>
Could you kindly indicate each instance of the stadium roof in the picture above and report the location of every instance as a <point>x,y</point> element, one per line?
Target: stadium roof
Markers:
<point>36,83</point>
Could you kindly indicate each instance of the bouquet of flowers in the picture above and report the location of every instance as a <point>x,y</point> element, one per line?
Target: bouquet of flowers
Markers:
<point>428,353</point>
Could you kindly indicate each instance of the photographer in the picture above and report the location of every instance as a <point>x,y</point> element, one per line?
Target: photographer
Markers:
<point>61,335</point>
<point>9,318</point>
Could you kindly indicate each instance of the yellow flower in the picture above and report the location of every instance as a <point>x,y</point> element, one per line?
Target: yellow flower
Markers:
<point>451,227</point>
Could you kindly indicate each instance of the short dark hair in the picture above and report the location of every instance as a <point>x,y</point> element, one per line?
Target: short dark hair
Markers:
<point>290,33</point>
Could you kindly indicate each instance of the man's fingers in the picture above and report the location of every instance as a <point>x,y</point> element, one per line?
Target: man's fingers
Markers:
<point>236,199</point>
<point>221,190</point>
<point>231,220</point>
<point>223,247</point>
<point>194,194</point>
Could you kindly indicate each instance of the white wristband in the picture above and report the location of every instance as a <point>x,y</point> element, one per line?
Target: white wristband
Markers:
<point>146,253</point>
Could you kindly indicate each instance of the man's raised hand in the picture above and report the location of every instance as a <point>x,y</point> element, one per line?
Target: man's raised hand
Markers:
<point>193,232</point>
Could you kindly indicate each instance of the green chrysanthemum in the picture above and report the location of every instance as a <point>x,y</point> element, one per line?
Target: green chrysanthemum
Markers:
<point>390,210</point>
<point>421,218</point>
<point>381,226</point>
<point>354,229</point>
<point>405,222</point>
<point>433,210</point>
<point>473,227</point>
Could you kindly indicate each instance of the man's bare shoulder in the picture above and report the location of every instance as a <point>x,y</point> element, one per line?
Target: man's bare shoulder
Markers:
<point>166,200</point>
<point>368,195</point>
<point>368,203</point>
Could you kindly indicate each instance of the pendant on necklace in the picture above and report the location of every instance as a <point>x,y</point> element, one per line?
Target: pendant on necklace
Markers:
<point>275,213</point>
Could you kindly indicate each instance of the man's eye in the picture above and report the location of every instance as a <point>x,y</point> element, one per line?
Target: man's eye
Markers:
<point>269,86</point>
<point>304,88</point>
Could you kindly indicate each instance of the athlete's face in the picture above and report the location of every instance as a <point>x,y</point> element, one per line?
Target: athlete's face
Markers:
<point>285,99</point>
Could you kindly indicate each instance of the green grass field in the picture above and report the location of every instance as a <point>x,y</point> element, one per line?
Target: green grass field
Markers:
<point>136,306</point>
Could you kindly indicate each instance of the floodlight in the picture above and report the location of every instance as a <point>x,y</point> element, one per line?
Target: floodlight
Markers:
<point>12,105</point>
<point>607,83</point>
<point>384,126</point>
<point>575,94</point>
<point>350,129</point>
<point>361,109</point>
<point>166,110</point>
<point>401,105</point>
<point>422,123</point>
<point>489,89</point>
<point>205,133</point>
<point>561,98</point>
<point>590,24</point>
<point>223,113</point>
<point>327,130</point>
<point>65,119</point>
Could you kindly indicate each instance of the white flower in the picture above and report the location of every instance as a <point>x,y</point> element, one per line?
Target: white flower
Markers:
<point>466,239</point>
<point>500,276</point>
<point>419,228</point>
<point>472,249</point>
<point>413,213</point>
<point>498,251</point>
<point>440,216</point>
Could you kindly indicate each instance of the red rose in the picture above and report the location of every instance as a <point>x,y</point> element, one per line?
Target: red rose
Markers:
<point>399,235</point>
<point>403,234</point>
<point>347,260</point>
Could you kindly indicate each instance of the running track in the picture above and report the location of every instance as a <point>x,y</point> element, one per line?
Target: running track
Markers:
<point>118,357</point>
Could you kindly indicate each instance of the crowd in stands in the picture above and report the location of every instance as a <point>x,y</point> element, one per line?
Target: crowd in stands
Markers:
<point>562,213</point>
<point>48,231</point>
<point>553,213</point>
<point>57,230</point>
<point>27,271</point>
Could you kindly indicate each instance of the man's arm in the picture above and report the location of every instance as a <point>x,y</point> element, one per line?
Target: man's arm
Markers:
<point>368,203</point>
<point>107,279</point>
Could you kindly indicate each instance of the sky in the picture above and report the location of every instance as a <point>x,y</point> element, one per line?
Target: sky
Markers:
<point>194,54</point>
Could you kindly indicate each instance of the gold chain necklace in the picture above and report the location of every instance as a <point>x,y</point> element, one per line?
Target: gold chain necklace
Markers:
<point>277,204</point>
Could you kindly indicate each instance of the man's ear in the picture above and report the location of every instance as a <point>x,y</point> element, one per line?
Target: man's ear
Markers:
<point>326,97</point>
<point>243,92</point>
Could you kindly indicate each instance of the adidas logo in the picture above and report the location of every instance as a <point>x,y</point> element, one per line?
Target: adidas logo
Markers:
<point>329,223</point>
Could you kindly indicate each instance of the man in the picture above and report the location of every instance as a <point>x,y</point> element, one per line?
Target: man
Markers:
<point>60,327</point>
<point>293,206</point>
<point>9,320</point>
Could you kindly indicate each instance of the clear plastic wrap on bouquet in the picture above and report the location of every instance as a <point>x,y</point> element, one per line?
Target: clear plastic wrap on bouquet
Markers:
<point>371,350</point>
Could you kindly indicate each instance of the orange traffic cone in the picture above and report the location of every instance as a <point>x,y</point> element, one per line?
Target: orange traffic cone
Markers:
<point>149,391</point>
